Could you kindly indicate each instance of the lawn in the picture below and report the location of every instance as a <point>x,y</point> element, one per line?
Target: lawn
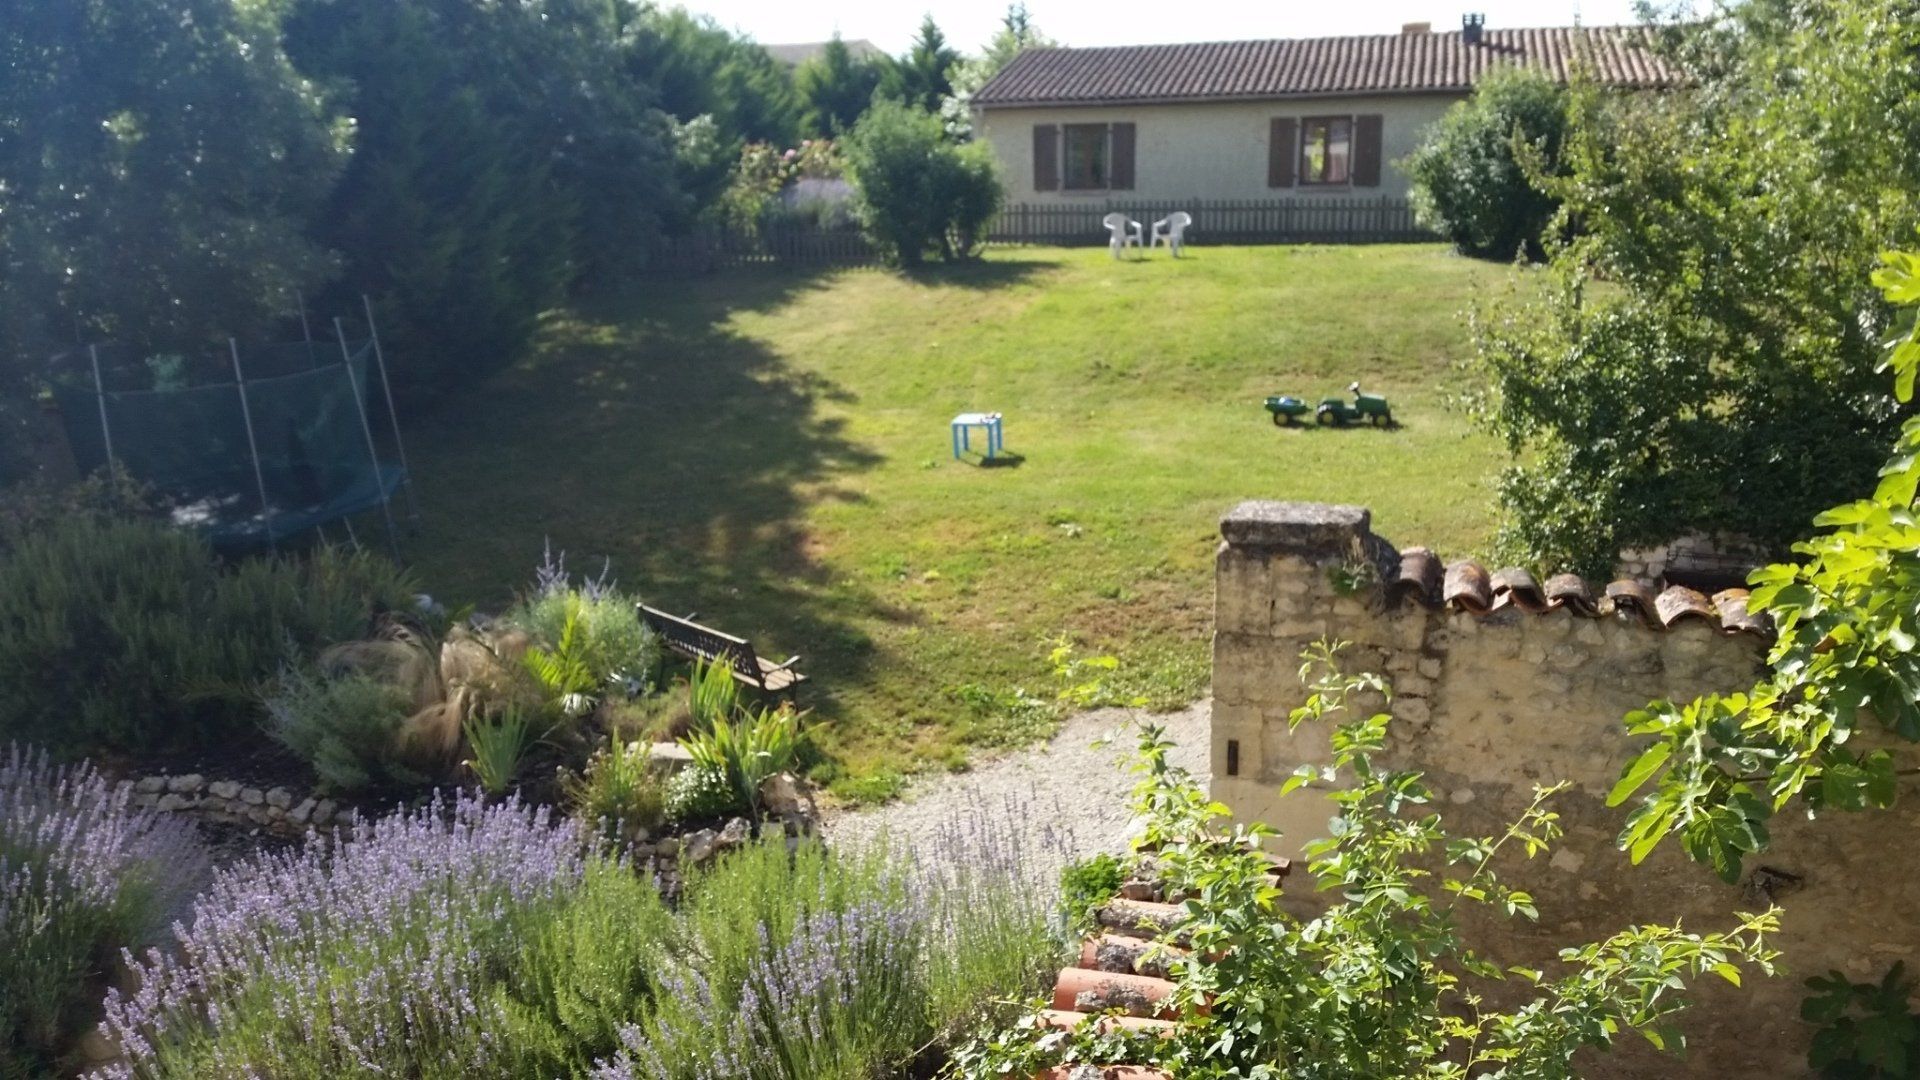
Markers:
<point>770,448</point>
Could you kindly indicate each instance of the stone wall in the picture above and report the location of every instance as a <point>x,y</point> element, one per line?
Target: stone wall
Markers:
<point>1492,698</point>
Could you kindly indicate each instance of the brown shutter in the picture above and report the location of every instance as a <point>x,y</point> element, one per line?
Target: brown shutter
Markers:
<point>1366,150</point>
<point>1280,140</point>
<point>1046,157</point>
<point>1120,176</point>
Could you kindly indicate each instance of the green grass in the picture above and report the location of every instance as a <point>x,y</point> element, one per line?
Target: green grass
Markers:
<point>769,448</point>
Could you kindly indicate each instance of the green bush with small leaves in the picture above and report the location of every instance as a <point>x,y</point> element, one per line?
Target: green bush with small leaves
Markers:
<point>1469,183</point>
<point>128,635</point>
<point>345,726</point>
<point>702,793</point>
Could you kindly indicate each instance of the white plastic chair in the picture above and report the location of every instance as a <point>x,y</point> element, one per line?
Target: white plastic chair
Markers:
<point>1172,229</point>
<point>1124,231</point>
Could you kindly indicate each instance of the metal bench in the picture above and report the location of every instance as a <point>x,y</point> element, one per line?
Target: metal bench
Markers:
<point>703,643</point>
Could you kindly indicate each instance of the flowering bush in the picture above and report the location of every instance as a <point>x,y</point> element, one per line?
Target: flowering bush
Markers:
<point>379,955</point>
<point>599,624</point>
<point>81,874</point>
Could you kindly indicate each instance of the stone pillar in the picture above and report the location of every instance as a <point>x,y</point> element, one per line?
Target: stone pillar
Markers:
<point>1287,575</point>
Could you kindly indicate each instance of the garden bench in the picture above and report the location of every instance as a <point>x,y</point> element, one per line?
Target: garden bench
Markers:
<point>703,643</point>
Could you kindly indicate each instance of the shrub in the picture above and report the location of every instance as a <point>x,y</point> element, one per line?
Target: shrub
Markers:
<point>701,793</point>
<point>82,875</point>
<point>747,749</point>
<point>391,952</point>
<point>1471,186</point>
<point>346,726</point>
<point>1087,884</point>
<point>598,625</point>
<point>620,788</point>
<point>129,635</point>
<point>917,192</point>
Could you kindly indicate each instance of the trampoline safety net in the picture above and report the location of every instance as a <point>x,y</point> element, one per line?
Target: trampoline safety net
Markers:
<point>188,440</point>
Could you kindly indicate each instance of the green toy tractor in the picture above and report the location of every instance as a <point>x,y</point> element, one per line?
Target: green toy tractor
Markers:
<point>1286,408</point>
<point>1368,407</point>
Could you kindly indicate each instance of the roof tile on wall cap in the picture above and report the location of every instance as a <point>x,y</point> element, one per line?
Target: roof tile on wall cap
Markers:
<point>1418,577</point>
<point>1516,587</point>
<point>1677,603</point>
<point>1467,587</point>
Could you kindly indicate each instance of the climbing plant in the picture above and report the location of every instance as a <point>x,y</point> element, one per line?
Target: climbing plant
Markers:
<point>1845,665</point>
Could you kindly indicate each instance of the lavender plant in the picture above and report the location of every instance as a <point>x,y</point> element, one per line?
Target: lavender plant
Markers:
<point>82,874</point>
<point>378,955</point>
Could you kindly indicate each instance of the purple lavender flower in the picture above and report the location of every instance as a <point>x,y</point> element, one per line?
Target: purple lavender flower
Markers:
<point>81,871</point>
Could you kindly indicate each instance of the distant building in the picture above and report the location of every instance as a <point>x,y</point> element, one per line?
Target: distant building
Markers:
<point>1246,120</point>
<point>797,53</point>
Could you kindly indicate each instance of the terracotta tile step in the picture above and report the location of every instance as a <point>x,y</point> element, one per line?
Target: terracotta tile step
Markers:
<point>1102,1072</point>
<point>1081,990</point>
<point>1132,955</point>
<point>1067,1020</point>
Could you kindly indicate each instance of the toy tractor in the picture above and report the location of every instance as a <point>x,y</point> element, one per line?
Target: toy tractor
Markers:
<point>1369,407</point>
<point>1286,408</point>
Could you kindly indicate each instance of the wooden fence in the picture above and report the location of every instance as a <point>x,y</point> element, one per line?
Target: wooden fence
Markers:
<point>1217,221</point>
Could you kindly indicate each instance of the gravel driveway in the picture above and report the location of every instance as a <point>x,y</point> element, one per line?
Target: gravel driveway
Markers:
<point>1081,787</point>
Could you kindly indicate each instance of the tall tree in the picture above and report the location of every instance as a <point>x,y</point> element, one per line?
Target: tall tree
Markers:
<point>159,165</point>
<point>1722,380</point>
<point>1017,33</point>
<point>923,76</point>
<point>503,155</point>
<point>698,68</point>
<point>836,87</point>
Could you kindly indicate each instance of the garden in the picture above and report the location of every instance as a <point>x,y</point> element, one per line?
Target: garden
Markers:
<point>455,809</point>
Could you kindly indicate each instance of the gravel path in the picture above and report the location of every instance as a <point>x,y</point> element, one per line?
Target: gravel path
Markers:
<point>1082,787</point>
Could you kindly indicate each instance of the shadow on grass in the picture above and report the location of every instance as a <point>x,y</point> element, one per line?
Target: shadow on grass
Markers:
<point>643,431</point>
<point>977,273</point>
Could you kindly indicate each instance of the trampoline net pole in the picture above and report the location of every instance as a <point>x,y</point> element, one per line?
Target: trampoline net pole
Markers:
<point>393,414</point>
<point>306,329</point>
<point>100,392</point>
<point>253,446</point>
<point>373,455</point>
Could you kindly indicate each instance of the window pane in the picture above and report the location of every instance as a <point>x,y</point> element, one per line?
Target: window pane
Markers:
<point>1339,150</point>
<point>1086,156</point>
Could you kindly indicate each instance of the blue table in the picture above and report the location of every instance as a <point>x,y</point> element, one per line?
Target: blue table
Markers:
<point>962,430</point>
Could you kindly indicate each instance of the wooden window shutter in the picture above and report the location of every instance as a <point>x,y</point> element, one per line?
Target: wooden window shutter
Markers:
<point>1046,157</point>
<point>1366,150</point>
<point>1120,175</point>
<point>1281,136</point>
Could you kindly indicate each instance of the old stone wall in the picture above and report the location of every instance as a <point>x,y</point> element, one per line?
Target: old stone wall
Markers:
<point>1502,686</point>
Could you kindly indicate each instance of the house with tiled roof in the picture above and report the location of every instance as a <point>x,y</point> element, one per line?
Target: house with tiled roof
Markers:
<point>1254,120</point>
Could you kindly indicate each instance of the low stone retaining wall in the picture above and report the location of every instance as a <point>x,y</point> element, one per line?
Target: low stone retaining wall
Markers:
<point>277,810</point>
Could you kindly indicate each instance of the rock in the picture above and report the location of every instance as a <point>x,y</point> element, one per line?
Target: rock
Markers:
<point>668,847</point>
<point>303,813</point>
<point>224,789</point>
<point>146,801</point>
<point>252,796</point>
<point>737,832</point>
<point>258,815</point>
<point>189,784</point>
<point>323,812</point>
<point>279,797</point>
<point>150,785</point>
<point>276,813</point>
<point>171,803</point>
<point>784,796</point>
<point>669,757</point>
<point>698,847</point>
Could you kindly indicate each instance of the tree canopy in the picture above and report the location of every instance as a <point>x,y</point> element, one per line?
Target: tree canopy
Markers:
<point>836,87</point>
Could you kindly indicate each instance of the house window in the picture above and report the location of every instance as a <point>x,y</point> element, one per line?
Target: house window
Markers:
<point>1326,149</point>
<point>1087,165</point>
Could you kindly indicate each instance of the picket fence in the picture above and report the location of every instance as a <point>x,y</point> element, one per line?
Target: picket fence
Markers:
<point>1215,221</point>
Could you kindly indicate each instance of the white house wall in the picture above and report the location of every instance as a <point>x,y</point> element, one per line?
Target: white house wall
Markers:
<point>1214,150</point>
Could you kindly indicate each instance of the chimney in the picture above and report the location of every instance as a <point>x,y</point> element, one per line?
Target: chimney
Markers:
<point>1414,29</point>
<point>1472,25</point>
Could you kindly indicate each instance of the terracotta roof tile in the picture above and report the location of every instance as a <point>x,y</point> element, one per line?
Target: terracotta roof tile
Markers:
<point>1466,586</point>
<point>1320,67</point>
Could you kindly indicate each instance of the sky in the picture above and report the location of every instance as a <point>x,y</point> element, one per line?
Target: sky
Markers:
<point>890,24</point>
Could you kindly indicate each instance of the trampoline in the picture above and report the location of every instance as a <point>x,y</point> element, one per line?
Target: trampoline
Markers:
<point>250,445</point>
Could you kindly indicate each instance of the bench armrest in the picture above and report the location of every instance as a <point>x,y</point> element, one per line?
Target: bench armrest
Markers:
<point>791,660</point>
